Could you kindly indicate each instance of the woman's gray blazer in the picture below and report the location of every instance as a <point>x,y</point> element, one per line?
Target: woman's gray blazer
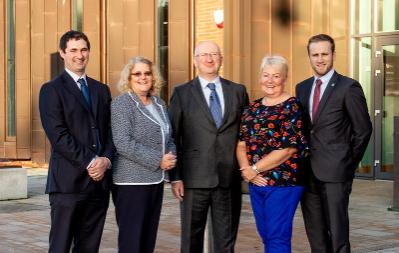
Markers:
<point>139,140</point>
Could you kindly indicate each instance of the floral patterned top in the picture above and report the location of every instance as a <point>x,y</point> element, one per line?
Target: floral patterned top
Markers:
<point>267,128</point>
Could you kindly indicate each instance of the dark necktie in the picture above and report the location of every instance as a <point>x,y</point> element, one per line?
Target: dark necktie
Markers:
<point>214,105</point>
<point>86,94</point>
<point>316,99</point>
<point>85,91</point>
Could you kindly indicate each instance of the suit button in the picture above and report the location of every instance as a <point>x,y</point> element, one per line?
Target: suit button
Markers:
<point>93,127</point>
<point>94,145</point>
<point>311,131</point>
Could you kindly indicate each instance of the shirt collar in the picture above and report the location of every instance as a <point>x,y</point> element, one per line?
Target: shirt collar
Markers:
<point>205,82</point>
<point>326,78</point>
<point>74,76</point>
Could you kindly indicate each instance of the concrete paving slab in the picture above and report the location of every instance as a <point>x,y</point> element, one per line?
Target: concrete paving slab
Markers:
<point>24,224</point>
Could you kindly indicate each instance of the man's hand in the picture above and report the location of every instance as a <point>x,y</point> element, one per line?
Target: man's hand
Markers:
<point>178,189</point>
<point>98,167</point>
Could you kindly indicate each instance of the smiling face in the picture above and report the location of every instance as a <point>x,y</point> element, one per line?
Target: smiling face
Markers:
<point>141,79</point>
<point>272,80</point>
<point>321,57</point>
<point>208,60</point>
<point>76,56</point>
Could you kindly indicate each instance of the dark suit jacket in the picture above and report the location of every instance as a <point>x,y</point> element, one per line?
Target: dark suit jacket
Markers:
<point>206,155</point>
<point>72,130</point>
<point>342,129</point>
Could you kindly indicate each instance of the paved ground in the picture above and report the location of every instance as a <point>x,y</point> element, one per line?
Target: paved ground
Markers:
<point>24,224</point>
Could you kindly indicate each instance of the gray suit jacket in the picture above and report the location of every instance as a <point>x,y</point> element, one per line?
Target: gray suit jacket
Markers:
<point>206,155</point>
<point>342,129</point>
<point>139,140</point>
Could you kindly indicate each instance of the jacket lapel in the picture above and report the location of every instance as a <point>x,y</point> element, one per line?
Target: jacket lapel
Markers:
<point>73,88</point>
<point>329,89</point>
<point>308,90</point>
<point>141,107</point>
<point>228,100</point>
<point>94,96</point>
<point>198,95</point>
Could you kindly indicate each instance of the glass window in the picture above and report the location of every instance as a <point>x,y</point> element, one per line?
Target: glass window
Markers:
<point>362,16</point>
<point>390,104</point>
<point>10,69</point>
<point>162,45</point>
<point>362,73</point>
<point>387,15</point>
<point>77,14</point>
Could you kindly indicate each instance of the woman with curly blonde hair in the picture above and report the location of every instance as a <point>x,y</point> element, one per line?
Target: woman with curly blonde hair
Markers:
<point>145,150</point>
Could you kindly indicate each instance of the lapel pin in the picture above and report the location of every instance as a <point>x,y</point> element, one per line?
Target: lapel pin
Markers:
<point>333,84</point>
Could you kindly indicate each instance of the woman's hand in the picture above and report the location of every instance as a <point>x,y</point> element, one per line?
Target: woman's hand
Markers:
<point>248,173</point>
<point>259,180</point>
<point>168,161</point>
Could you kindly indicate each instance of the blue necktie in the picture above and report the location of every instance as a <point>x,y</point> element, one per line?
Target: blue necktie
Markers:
<point>85,91</point>
<point>214,105</point>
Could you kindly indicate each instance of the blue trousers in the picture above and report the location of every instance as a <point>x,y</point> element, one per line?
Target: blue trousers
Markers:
<point>274,209</point>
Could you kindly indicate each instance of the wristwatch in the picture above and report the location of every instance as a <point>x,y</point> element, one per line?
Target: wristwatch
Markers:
<point>255,169</point>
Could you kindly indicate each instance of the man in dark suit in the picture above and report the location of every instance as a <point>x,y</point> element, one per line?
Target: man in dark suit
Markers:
<point>75,114</point>
<point>205,116</point>
<point>339,130</point>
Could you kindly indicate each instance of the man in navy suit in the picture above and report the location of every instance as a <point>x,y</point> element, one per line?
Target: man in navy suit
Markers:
<point>338,131</point>
<point>75,114</point>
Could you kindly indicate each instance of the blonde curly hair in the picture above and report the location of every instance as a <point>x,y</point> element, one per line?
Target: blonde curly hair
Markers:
<point>124,80</point>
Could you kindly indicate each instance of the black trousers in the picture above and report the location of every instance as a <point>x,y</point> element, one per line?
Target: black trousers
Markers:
<point>77,218</point>
<point>137,210</point>
<point>225,207</point>
<point>325,212</point>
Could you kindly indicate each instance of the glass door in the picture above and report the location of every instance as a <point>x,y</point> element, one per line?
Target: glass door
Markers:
<point>386,84</point>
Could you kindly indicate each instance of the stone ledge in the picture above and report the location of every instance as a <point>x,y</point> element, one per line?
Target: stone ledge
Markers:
<point>13,183</point>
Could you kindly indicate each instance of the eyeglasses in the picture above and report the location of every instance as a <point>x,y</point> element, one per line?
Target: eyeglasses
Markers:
<point>214,55</point>
<point>139,74</point>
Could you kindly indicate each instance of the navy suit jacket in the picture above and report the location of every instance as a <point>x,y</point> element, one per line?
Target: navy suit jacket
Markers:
<point>342,129</point>
<point>206,154</point>
<point>72,129</point>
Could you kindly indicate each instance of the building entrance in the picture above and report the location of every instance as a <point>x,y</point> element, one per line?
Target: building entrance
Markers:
<point>386,103</point>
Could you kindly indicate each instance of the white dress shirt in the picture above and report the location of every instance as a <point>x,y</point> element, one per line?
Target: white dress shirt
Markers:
<point>325,80</point>
<point>75,77</point>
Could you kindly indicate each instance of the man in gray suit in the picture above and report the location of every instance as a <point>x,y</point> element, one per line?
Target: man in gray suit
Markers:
<point>205,116</point>
<point>338,130</point>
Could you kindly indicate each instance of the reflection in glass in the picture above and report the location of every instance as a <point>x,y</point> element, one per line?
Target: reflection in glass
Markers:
<point>390,104</point>
<point>387,15</point>
<point>362,16</point>
<point>10,69</point>
<point>362,73</point>
<point>162,45</point>
<point>77,14</point>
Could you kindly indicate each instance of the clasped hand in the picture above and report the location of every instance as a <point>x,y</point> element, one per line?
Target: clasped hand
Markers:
<point>250,175</point>
<point>168,161</point>
<point>98,167</point>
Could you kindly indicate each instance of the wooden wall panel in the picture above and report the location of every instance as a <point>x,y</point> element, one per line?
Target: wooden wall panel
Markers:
<point>38,77</point>
<point>180,43</point>
<point>301,31</point>
<point>92,28</point>
<point>146,26</point>
<point>22,79</point>
<point>260,42</point>
<point>115,27</point>
<point>237,42</point>
<point>131,32</point>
